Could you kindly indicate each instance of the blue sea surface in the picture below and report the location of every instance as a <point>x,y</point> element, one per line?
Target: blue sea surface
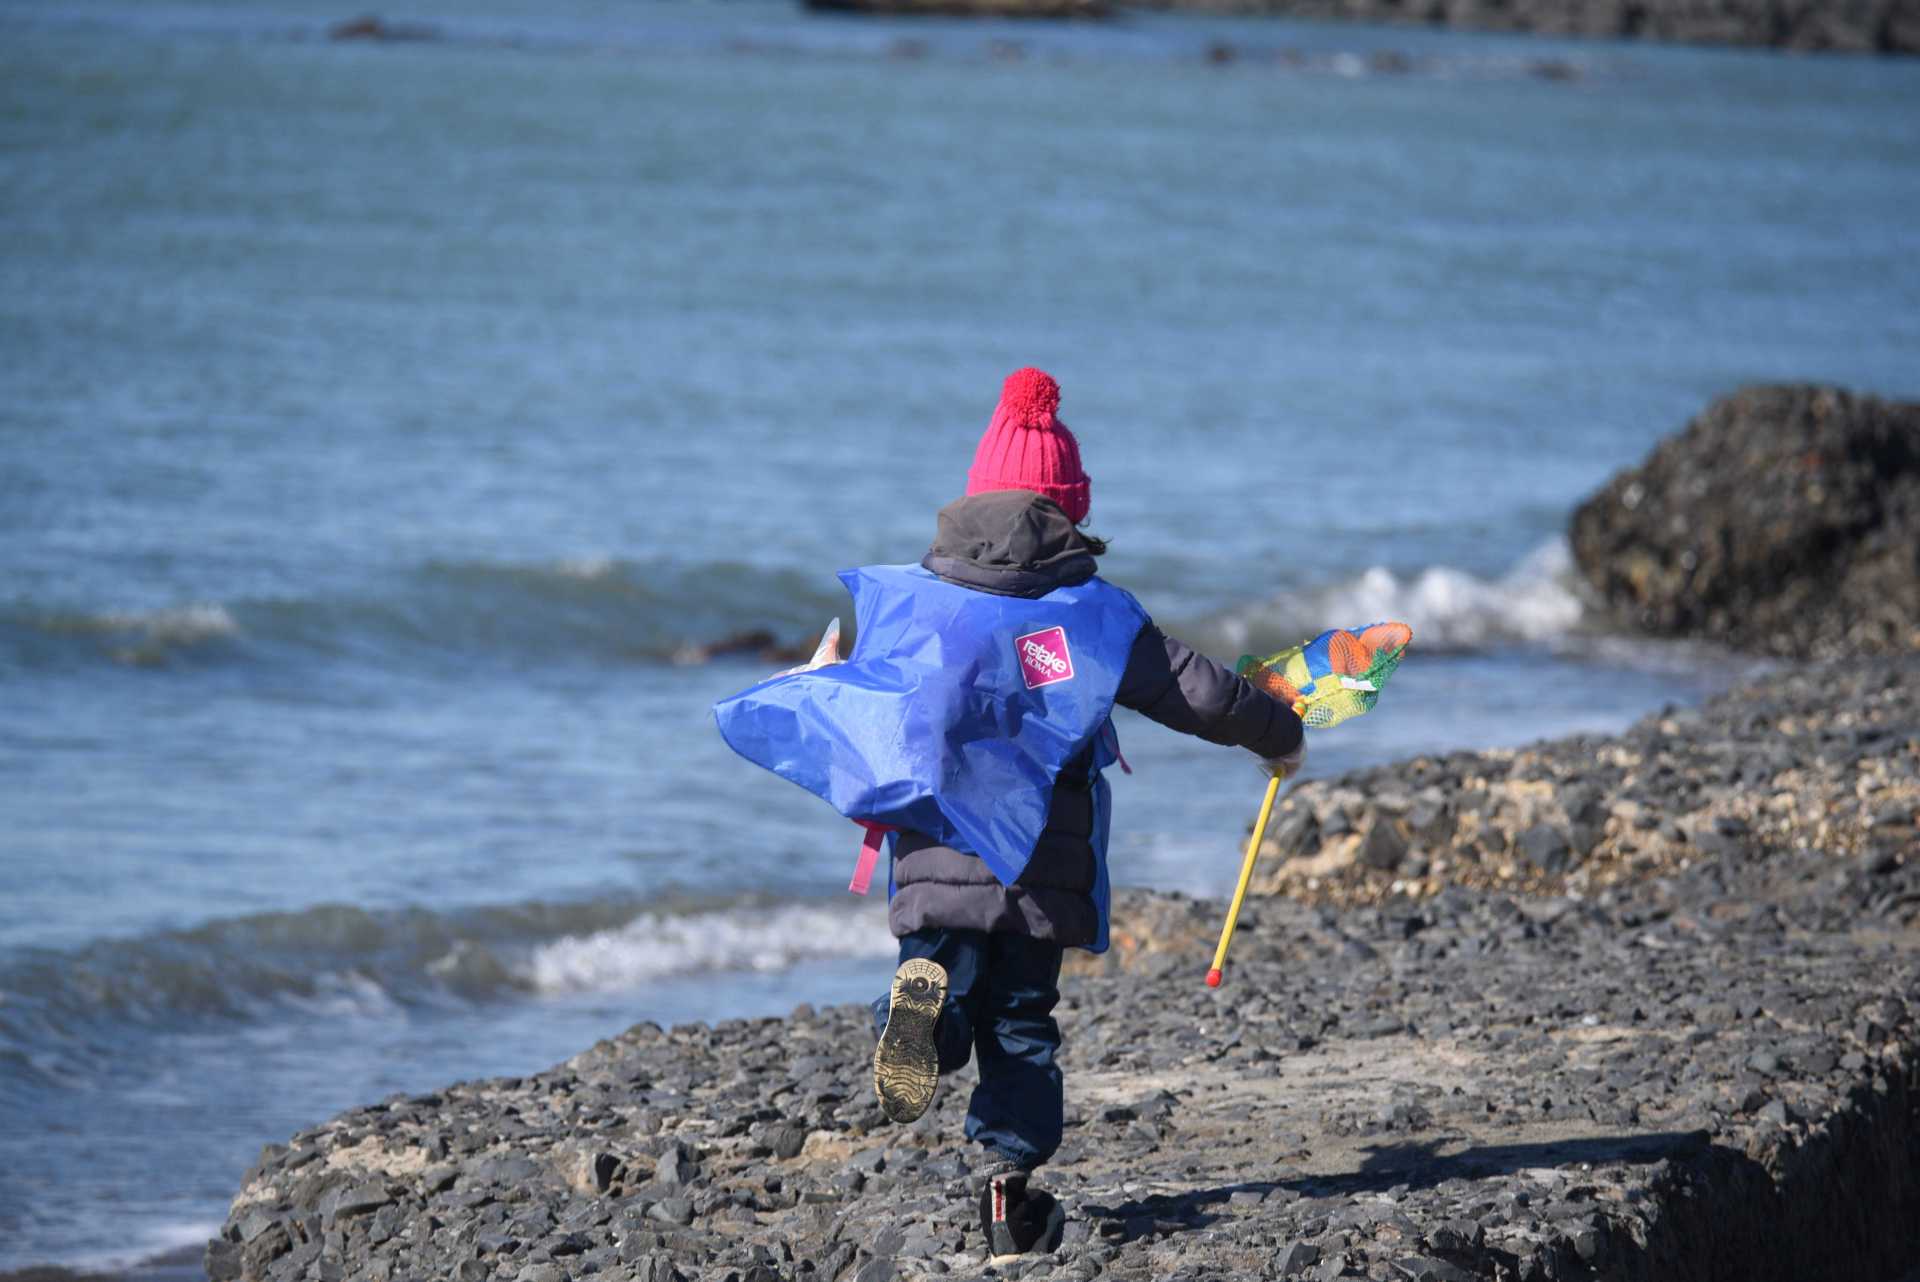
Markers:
<point>390,432</point>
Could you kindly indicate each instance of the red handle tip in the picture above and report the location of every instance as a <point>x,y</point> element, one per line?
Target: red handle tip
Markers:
<point>1213,978</point>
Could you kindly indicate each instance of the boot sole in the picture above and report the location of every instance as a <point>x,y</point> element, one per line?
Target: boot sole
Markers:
<point>906,1067</point>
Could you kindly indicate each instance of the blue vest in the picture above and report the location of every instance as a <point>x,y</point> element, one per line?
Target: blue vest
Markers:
<point>955,713</point>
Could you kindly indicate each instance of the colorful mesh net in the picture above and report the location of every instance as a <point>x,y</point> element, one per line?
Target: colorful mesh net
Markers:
<point>1334,677</point>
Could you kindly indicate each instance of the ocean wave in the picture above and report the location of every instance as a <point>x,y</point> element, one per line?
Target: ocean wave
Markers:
<point>342,963</point>
<point>184,625</point>
<point>652,946</point>
<point>156,1250</point>
<point>136,638</point>
<point>604,609</point>
<point>1450,610</point>
<point>596,607</point>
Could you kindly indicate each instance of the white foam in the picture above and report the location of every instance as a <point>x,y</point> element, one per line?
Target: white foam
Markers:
<point>148,1241</point>
<point>469,968</point>
<point>180,624</point>
<point>588,567</point>
<point>1447,608</point>
<point>343,995</point>
<point>656,945</point>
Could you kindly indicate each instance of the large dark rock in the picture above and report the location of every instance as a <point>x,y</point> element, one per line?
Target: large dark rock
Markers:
<point>1784,520</point>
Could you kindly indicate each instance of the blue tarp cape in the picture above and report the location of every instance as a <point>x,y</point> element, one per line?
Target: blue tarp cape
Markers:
<point>954,714</point>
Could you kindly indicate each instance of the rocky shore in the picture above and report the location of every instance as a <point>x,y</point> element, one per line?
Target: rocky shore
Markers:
<point>1690,1051</point>
<point>1871,26</point>
<point>1805,783</point>
<point>1858,26</point>
<point>1641,1006</point>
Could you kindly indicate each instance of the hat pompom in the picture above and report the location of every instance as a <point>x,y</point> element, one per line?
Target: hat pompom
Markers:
<point>1031,398</point>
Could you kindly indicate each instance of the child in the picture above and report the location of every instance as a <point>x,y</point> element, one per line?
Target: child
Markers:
<point>972,719</point>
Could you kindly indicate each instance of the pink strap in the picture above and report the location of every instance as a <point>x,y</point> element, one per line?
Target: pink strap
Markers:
<point>1119,756</point>
<point>869,856</point>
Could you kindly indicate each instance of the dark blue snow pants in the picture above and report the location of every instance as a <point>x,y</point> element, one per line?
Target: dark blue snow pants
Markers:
<point>1001,990</point>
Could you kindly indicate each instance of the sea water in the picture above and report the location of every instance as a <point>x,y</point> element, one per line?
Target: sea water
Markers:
<point>388,430</point>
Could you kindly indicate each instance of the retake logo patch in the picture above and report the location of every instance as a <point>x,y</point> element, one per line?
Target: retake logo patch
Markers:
<point>1044,657</point>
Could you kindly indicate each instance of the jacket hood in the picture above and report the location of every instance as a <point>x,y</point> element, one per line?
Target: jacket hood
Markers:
<point>1009,542</point>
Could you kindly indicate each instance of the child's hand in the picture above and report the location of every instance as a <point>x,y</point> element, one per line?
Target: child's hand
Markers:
<point>1285,768</point>
<point>824,654</point>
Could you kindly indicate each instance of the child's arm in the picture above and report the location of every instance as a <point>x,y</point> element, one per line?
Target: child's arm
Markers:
<point>1179,687</point>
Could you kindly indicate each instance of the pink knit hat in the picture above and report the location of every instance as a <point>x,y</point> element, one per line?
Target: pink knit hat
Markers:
<point>1027,447</point>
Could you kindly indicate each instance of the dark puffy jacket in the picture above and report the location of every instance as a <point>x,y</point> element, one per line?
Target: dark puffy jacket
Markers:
<point>1014,543</point>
